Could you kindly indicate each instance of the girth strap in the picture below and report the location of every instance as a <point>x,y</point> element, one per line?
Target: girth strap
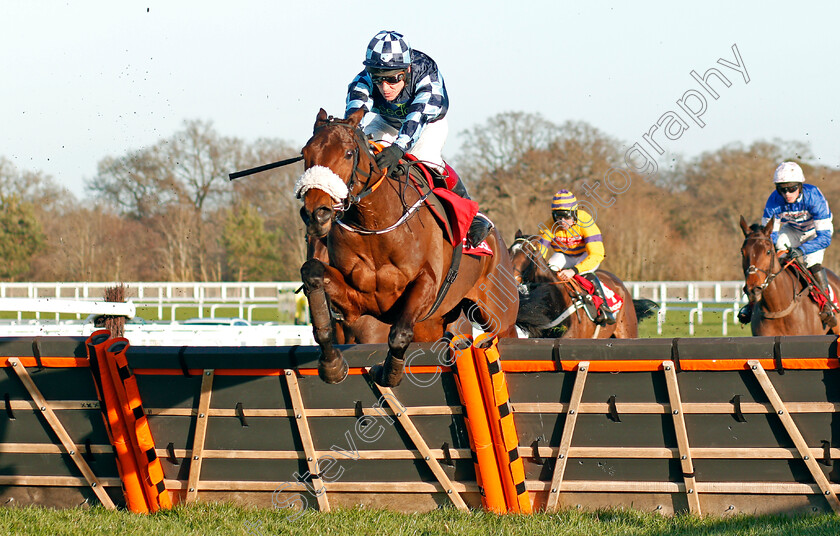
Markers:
<point>448,280</point>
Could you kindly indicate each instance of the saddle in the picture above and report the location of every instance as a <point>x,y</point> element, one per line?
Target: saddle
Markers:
<point>453,212</point>
<point>814,291</point>
<point>591,301</point>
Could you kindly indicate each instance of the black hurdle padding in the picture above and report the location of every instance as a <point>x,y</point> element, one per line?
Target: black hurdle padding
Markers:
<point>583,349</point>
<point>816,346</point>
<point>273,357</point>
<point>51,346</point>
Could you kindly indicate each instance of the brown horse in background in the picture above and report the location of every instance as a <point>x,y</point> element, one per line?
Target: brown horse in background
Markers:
<point>388,257</point>
<point>781,305</point>
<point>549,310</point>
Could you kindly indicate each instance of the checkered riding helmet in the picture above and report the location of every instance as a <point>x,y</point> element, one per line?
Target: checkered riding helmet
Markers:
<point>388,50</point>
<point>788,172</point>
<point>565,201</point>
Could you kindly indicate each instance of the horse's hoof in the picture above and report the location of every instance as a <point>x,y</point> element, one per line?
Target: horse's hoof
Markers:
<point>379,375</point>
<point>333,372</point>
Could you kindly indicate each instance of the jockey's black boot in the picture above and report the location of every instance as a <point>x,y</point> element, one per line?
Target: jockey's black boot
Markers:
<point>605,316</point>
<point>827,312</point>
<point>480,226</point>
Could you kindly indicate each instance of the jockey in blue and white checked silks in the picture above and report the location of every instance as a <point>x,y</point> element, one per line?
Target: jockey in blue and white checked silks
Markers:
<point>404,95</point>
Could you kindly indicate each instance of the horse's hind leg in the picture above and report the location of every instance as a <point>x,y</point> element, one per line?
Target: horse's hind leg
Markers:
<point>332,368</point>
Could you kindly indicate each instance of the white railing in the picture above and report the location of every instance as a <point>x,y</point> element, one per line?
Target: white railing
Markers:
<point>161,300</point>
<point>724,297</point>
<point>146,292</point>
<point>173,334</point>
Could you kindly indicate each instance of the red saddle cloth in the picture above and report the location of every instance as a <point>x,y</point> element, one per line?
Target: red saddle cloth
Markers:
<point>459,211</point>
<point>614,301</point>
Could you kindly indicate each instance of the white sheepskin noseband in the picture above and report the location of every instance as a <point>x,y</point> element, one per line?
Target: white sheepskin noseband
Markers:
<point>321,178</point>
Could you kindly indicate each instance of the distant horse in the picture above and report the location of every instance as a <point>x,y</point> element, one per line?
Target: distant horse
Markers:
<point>551,308</point>
<point>780,296</point>
<point>388,257</point>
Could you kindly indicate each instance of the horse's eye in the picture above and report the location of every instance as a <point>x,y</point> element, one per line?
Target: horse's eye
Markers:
<point>348,155</point>
<point>769,251</point>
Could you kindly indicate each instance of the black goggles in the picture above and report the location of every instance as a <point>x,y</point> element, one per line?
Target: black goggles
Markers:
<point>563,214</point>
<point>391,79</point>
<point>787,189</point>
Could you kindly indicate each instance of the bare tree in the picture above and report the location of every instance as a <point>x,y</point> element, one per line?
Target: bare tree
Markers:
<point>179,189</point>
<point>502,141</point>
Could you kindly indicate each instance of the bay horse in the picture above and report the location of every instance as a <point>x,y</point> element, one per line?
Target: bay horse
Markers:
<point>387,256</point>
<point>781,305</point>
<point>549,309</point>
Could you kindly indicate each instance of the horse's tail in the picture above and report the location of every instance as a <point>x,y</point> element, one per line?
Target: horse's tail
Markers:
<point>645,308</point>
<point>535,309</point>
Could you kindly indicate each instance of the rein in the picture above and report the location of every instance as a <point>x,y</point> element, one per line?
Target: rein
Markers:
<point>770,277</point>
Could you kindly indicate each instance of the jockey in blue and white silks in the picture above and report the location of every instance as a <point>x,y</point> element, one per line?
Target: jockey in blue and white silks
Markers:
<point>802,217</point>
<point>802,224</point>
<point>405,100</point>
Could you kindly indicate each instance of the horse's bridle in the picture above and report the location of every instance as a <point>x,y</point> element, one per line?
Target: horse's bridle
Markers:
<point>361,141</point>
<point>769,277</point>
<point>367,189</point>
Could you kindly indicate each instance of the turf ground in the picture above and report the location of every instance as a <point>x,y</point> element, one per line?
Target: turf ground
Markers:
<point>232,520</point>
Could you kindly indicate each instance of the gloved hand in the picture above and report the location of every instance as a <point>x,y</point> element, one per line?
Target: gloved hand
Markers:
<point>389,157</point>
<point>795,253</point>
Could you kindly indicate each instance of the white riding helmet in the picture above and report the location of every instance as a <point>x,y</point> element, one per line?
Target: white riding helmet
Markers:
<point>788,172</point>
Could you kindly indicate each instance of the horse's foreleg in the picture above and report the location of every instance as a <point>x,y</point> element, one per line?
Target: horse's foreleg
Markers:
<point>332,368</point>
<point>418,298</point>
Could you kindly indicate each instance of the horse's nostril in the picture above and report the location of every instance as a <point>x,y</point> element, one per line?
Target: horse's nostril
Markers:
<point>322,215</point>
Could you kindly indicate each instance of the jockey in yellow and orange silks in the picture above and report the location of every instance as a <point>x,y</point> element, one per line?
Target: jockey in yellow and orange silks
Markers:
<point>572,244</point>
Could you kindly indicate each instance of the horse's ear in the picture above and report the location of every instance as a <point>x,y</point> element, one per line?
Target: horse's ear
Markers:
<point>769,227</point>
<point>519,234</point>
<point>320,119</point>
<point>356,117</point>
<point>744,226</point>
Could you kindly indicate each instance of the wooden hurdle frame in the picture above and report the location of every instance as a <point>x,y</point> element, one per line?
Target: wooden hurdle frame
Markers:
<point>705,426</point>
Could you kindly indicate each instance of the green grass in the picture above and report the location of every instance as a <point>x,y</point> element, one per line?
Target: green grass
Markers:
<point>182,313</point>
<point>676,325</point>
<point>203,519</point>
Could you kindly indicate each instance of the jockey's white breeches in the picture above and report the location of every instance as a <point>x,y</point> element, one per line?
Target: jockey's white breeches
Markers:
<point>790,237</point>
<point>427,149</point>
<point>560,261</point>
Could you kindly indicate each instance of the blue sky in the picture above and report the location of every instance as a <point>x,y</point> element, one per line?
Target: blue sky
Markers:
<point>85,80</point>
